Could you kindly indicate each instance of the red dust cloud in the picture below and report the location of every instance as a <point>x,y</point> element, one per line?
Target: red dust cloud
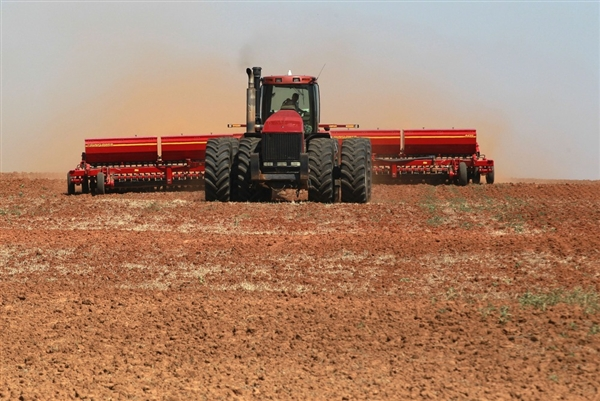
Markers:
<point>177,98</point>
<point>172,96</point>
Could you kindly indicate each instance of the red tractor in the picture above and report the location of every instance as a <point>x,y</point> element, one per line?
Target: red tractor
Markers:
<point>283,147</point>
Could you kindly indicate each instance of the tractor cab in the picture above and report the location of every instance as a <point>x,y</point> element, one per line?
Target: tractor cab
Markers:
<point>283,149</point>
<point>291,92</point>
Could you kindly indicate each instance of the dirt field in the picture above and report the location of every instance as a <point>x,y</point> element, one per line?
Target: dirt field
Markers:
<point>441,292</point>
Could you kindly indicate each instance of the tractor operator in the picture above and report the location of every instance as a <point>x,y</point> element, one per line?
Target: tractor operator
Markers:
<point>291,104</point>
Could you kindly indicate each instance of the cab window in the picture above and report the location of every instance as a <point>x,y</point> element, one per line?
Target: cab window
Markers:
<point>281,93</point>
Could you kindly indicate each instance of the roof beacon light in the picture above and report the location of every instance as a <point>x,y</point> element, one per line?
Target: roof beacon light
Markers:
<point>290,72</point>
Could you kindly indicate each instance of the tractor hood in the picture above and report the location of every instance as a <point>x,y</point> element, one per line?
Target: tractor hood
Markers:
<point>284,121</point>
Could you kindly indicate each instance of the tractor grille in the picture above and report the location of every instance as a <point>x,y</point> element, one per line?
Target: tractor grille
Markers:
<point>281,147</point>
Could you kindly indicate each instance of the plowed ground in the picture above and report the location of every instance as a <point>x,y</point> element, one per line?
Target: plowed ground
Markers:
<point>442,292</point>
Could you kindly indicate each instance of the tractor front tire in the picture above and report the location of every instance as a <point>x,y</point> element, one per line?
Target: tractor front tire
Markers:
<point>218,167</point>
<point>321,162</point>
<point>245,191</point>
<point>356,170</point>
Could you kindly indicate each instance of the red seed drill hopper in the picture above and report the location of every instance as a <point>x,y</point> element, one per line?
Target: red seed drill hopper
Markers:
<point>128,163</point>
<point>284,146</point>
<point>445,154</point>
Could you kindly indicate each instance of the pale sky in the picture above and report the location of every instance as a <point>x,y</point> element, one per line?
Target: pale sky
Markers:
<point>524,74</point>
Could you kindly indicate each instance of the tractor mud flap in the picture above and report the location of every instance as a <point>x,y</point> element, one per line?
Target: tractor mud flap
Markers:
<point>304,167</point>
<point>254,167</point>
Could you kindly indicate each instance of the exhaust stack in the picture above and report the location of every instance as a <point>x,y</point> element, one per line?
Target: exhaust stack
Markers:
<point>250,103</point>
<point>257,72</point>
<point>253,99</point>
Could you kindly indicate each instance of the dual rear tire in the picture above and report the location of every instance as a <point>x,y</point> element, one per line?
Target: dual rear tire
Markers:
<point>245,189</point>
<point>322,160</point>
<point>227,175</point>
<point>218,166</point>
<point>356,170</point>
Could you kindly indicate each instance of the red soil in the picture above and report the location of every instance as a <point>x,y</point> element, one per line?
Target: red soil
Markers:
<point>420,294</point>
